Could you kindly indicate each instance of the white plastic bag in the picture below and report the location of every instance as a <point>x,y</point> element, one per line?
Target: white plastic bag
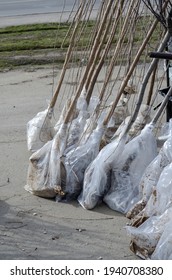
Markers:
<point>77,121</point>
<point>149,180</point>
<point>75,130</point>
<point>76,162</point>
<point>45,176</point>
<point>96,177</point>
<point>94,101</point>
<point>144,239</point>
<point>161,192</point>
<point>39,130</point>
<point>142,119</point>
<point>163,250</point>
<point>120,113</point>
<point>62,116</point>
<point>128,170</point>
<point>161,197</point>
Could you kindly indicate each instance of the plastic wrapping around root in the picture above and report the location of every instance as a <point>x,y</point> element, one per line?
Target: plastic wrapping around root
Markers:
<point>150,180</point>
<point>161,197</point>
<point>144,239</point>
<point>163,250</point>
<point>39,130</point>
<point>158,208</point>
<point>142,119</point>
<point>78,125</point>
<point>77,122</point>
<point>120,113</point>
<point>75,130</point>
<point>46,174</point>
<point>62,115</point>
<point>96,178</point>
<point>76,162</point>
<point>128,169</point>
<point>91,122</point>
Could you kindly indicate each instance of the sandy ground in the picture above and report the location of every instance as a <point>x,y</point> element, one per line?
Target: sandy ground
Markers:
<point>37,228</point>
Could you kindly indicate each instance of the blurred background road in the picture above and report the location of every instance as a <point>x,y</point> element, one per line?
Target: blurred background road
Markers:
<point>15,12</point>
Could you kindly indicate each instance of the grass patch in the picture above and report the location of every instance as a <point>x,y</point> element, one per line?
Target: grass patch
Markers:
<point>44,43</point>
<point>47,43</point>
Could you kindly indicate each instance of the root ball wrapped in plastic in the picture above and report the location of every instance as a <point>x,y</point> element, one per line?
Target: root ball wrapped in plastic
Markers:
<point>128,170</point>
<point>39,130</point>
<point>76,120</point>
<point>149,181</point>
<point>161,197</point>
<point>75,130</point>
<point>144,238</point>
<point>45,176</point>
<point>163,250</point>
<point>142,119</point>
<point>120,113</point>
<point>76,162</point>
<point>96,178</point>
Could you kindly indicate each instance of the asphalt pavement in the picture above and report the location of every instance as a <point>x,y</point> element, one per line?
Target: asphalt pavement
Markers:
<point>17,12</point>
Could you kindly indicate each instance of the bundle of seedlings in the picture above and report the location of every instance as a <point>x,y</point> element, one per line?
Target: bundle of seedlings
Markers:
<point>162,11</point>
<point>149,182</point>
<point>152,238</point>
<point>129,169</point>
<point>40,129</point>
<point>78,159</point>
<point>96,176</point>
<point>51,166</point>
<point>152,232</point>
<point>46,174</point>
<point>83,153</point>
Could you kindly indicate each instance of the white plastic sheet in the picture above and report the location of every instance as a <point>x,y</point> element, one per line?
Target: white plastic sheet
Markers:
<point>45,176</point>
<point>62,115</point>
<point>128,169</point>
<point>120,113</point>
<point>161,197</point>
<point>79,126</point>
<point>96,178</point>
<point>152,239</point>
<point>157,188</point>
<point>149,181</point>
<point>142,119</point>
<point>76,162</point>
<point>163,250</point>
<point>145,238</point>
<point>39,130</point>
<point>75,130</point>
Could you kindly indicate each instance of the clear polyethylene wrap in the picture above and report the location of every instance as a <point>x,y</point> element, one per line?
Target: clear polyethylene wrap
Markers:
<point>75,130</point>
<point>161,197</point>
<point>156,186</point>
<point>96,178</point>
<point>76,126</point>
<point>128,170</point>
<point>39,130</point>
<point>150,178</point>
<point>45,176</point>
<point>163,250</point>
<point>144,238</point>
<point>77,160</point>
